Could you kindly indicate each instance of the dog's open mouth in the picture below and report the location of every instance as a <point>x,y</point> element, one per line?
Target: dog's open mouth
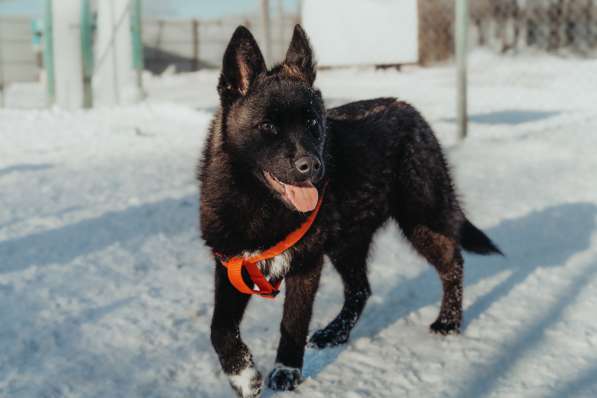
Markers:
<point>303,198</point>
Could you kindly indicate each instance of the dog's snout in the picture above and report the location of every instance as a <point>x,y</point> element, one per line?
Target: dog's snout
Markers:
<point>303,165</point>
<point>308,165</point>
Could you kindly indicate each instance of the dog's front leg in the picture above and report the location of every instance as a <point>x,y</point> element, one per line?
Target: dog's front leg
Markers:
<point>300,293</point>
<point>234,355</point>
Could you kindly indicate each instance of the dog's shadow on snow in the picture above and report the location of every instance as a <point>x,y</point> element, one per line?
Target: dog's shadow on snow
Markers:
<point>540,239</point>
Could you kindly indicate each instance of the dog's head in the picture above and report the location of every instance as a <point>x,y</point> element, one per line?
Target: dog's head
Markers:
<point>274,120</point>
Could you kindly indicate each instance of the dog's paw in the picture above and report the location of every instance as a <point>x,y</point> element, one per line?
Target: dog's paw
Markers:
<point>284,378</point>
<point>247,384</point>
<point>444,327</point>
<point>328,337</point>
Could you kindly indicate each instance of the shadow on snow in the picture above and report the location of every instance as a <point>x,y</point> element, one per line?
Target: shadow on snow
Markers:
<point>541,239</point>
<point>21,168</point>
<point>61,245</point>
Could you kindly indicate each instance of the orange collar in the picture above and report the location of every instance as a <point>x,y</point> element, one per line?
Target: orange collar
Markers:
<point>265,289</point>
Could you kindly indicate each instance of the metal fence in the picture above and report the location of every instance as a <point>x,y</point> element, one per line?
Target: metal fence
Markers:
<point>192,44</point>
<point>539,51</point>
<point>511,26</point>
<point>505,26</point>
<point>508,27</point>
<point>182,45</point>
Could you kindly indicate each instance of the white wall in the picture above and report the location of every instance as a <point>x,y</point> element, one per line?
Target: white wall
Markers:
<point>362,32</point>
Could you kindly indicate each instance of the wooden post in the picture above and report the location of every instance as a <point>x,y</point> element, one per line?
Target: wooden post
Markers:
<point>462,21</point>
<point>266,30</point>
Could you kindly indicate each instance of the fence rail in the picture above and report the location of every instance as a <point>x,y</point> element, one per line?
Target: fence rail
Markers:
<point>191,44</point>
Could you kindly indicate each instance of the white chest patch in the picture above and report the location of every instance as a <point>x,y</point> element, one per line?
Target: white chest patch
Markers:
<point>276,267</point>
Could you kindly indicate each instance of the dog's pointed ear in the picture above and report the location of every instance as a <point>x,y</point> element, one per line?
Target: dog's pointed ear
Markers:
<point>299,57</point>
<point>242,63</point>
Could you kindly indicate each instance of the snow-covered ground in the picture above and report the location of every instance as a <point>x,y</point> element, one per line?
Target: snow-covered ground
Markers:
<point>106,289</point>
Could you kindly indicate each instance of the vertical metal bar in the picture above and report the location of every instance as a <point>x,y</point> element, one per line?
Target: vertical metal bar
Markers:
<point>281,29</point>
<point>137,39</point>
<point>299,11</point>
<point>1,70</point>
<point>87,51</point>
<point>462,26</point>
<point>112,49</point>
<point>195,33</point>
<point>266,30</point>
<point>49,53</point>
<point>591,22</point>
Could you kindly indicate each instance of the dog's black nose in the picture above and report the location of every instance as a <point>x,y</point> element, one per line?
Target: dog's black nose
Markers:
<point>308,165</point>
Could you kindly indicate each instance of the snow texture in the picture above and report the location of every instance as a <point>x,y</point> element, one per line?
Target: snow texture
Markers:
<point>106,288</point>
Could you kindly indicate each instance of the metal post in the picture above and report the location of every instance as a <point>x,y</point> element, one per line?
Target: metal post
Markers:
<point>266,30</point>
<point>137,38</point>
<point>281,28</point>
<point>195,34</point>
<point>49,53</point>
<point>87,52</point>
<point>462,26</point>
<point>299,11</point>
<point>112,49</point>
<point>1,70</point>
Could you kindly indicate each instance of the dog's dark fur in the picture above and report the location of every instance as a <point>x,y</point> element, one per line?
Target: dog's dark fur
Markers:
<point>379,160</point>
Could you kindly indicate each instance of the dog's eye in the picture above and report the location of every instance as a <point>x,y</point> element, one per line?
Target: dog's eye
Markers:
<point>268,128</point>
<point>313,126</point>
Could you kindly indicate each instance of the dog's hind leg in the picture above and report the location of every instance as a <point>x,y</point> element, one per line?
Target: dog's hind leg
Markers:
<point>234,355</point>
<point>351,263</point>
<point>432,227</point>
<point>427,210</point>
<point>444,254</point>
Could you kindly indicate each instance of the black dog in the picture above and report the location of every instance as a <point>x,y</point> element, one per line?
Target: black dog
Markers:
<point>272,154</point>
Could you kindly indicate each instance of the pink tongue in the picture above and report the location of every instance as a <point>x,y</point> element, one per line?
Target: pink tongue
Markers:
<point>303,198</point>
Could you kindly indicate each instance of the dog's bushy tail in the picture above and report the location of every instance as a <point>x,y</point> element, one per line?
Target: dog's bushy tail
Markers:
<point>474,240</point>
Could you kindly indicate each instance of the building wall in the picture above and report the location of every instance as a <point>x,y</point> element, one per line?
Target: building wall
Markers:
<point>362,32</point>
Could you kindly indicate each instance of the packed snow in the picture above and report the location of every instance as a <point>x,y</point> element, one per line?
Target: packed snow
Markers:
<point>106,287</point>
